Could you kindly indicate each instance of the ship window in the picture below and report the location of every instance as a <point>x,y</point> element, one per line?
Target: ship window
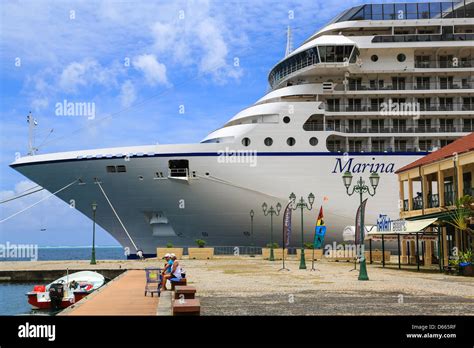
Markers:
<point>268,141</point>
<point>335,54</point>
<point>111,169</point>
<point>389,11</point>
<point>314,123</point>
<point>374,58</point>
<point>178,168</point>
<point>286,119</point>
<point>401,57</point>
<point>121,169</point>
<point>246,141</point>
<point>313,141</point>
<point>291,141</point>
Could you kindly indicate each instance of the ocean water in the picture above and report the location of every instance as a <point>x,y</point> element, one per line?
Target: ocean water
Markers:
<point>75,253</point>
<point>13,300</point>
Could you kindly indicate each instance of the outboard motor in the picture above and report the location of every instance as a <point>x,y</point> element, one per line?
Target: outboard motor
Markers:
<point>56,294</point>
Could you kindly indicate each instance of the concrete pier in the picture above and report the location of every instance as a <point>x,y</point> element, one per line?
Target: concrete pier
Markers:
<point>123,296</point>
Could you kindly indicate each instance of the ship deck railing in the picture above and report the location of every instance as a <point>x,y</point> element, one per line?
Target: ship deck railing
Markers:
<point>423,38</point>
<point>415,106</point>
<point>444,64</point>
<point>405,86</point>
<point>390,130</point>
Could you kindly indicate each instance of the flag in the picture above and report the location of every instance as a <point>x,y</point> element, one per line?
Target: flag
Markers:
<point>320,221</point>
<point>320,230</point>
<point>287,224</point>
<point>360,210</point>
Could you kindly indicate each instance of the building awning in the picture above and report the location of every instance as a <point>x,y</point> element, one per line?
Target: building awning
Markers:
<point>410,227</point>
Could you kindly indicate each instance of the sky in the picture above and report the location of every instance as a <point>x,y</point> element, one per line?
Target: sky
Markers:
<point>156,72</point>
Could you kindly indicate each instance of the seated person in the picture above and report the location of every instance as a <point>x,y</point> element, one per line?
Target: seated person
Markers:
<point>176,270</point>
<point>166,274</point>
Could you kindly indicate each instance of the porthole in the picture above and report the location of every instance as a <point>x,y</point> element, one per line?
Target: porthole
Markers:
<point>401,57</point>
<point>286,119</point>
<point>268,141</point>
<point>291,141</point>
<point>313,141</point>
<point>374,58</point>
<point>246,141</point>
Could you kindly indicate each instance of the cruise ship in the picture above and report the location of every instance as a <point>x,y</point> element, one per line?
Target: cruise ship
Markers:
<point>378,87</point>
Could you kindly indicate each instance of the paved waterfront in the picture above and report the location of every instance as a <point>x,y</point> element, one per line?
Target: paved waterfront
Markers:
<point>251,286</point>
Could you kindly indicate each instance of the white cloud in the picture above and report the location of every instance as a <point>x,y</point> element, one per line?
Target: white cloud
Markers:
<point>154,71</point>
<point>128,94</point>
<point>199,38</point>
<point>86,73</point>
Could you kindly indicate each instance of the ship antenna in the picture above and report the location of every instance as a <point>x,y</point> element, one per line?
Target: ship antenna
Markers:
<point>289,42</point>
<point>32,123</point>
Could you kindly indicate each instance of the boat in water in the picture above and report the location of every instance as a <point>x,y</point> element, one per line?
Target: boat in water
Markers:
<point>375,89</point>
<point>65,291</point>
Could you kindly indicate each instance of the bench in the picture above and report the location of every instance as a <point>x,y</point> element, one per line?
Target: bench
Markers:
<point>174,282</point>
<point>186,307</point>
<point>186,292</point>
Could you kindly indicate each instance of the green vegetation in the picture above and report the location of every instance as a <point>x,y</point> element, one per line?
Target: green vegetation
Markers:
<point>274,245</point>
<point>200,243</point>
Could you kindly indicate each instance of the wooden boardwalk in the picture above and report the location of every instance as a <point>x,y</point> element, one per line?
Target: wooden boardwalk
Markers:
<point>123,296</point>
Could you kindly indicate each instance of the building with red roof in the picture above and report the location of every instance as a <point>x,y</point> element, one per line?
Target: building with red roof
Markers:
<point>431,185</point>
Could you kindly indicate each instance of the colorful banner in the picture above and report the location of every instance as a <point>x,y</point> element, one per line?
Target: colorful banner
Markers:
<point>320,230</point>
<point>319,236</point>
<point>357,222</point>
<point>287,224</point>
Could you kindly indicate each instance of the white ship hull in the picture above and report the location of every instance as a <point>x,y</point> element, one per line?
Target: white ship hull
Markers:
<point>216,207</point>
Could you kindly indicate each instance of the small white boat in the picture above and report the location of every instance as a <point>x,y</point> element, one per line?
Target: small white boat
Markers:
<point>65,291</point>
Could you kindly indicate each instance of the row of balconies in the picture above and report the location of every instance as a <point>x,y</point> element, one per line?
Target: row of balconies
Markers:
<point>384,147</point>
<point>394,129</point>
<point>433,200</point>
<point>378,108</point>
<point>444,64</point>
<point>423,38</point>
<point>405,86</point>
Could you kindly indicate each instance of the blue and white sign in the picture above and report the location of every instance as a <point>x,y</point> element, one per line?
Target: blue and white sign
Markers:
<point>385,224</point>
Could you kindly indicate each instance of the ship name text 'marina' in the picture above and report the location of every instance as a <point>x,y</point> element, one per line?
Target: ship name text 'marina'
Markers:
<point>350,164</point>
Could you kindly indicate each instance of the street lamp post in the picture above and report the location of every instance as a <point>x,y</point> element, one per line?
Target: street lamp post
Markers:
<point>302,205</point>
<point>94,208</point>
<point>252,214</point>
<point>360,187</point>
<point>271,212</point>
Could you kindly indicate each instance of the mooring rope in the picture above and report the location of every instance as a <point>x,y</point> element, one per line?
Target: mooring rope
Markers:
<point>22,195</point>
<point>118,217</point>
<point>42,199</point>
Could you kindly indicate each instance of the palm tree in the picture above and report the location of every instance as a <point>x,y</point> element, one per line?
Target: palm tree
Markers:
<point>460,218</point>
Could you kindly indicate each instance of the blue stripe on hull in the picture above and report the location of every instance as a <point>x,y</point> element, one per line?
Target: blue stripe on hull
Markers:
<point>214,154</point>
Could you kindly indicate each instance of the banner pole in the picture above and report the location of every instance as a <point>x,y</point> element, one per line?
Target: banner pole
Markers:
<point>283,241</point>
